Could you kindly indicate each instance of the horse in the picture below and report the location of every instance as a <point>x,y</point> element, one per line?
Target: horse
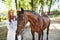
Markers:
<point>38,23</point>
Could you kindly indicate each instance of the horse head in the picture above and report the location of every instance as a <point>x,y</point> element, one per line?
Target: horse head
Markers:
<point>20,18</point>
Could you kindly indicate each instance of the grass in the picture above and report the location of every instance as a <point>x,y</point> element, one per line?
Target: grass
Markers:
<point>3,33</point>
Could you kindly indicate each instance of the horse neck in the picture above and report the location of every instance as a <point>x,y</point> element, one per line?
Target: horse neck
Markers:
<point>31,17</point>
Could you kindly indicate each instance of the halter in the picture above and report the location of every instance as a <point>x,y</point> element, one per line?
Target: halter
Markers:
<point>24,22</point>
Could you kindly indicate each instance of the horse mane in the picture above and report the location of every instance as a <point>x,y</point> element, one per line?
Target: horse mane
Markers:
<point>32,12</point>
<point>45,15</point>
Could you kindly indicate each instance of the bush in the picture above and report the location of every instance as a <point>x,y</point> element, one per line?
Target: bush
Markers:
<point>56,12</point>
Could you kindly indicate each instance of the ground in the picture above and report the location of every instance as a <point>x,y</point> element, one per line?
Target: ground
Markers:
<point>54,32</point>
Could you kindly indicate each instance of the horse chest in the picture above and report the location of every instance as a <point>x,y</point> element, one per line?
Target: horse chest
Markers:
<point>35,28</point>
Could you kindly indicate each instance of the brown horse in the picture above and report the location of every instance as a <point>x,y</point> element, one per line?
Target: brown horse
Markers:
<point>37,23</point>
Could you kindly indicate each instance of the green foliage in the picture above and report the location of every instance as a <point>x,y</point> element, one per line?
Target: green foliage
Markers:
<point>24,4</point>
<point>7,3</point>
<point>56,12</point>
<point>41,2</point>
<point>27,4</point>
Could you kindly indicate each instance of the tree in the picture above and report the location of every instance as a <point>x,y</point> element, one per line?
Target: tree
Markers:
<point>42,5</point>
<point>50,3</point>
<point>32,4</point>
<point>7,3</point>
<point>50,6</point>
<point>16,3</point>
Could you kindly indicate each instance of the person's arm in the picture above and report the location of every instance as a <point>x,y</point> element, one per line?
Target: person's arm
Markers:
<point>8,25</point>
<point>15,17</point>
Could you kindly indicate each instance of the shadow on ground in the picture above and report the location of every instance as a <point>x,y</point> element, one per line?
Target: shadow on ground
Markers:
<point>54,33</point>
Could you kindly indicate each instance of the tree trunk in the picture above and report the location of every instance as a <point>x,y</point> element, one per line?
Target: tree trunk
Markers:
<point>58,4</point>
<point>0,19</point>
<point>19,4</point>
<point>32,4</point>
<point>16,3</point>
<point>50,7</point>
<point>42,10</point>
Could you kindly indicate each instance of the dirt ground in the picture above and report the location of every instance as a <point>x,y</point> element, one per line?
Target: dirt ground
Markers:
<point>54,32</point>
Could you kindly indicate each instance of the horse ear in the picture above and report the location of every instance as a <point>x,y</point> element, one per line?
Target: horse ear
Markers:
<point>22,9</point>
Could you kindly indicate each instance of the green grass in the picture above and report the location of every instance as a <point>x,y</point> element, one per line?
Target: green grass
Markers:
<point>3,33</point>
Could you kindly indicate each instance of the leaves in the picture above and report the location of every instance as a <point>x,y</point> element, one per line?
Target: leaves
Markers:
<point>27,4</point>
<point>7,3</point>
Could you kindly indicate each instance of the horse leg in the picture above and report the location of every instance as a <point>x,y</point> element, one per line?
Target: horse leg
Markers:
<point>22,36</point>
<point>47,33</point>
<point>16,37</point>
<point>33,36</point>
<point>39,35</point>
<point>42,36</point>
<point>19,37</point>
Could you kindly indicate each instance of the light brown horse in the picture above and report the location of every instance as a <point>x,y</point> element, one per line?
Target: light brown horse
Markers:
<point>37,23</point>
